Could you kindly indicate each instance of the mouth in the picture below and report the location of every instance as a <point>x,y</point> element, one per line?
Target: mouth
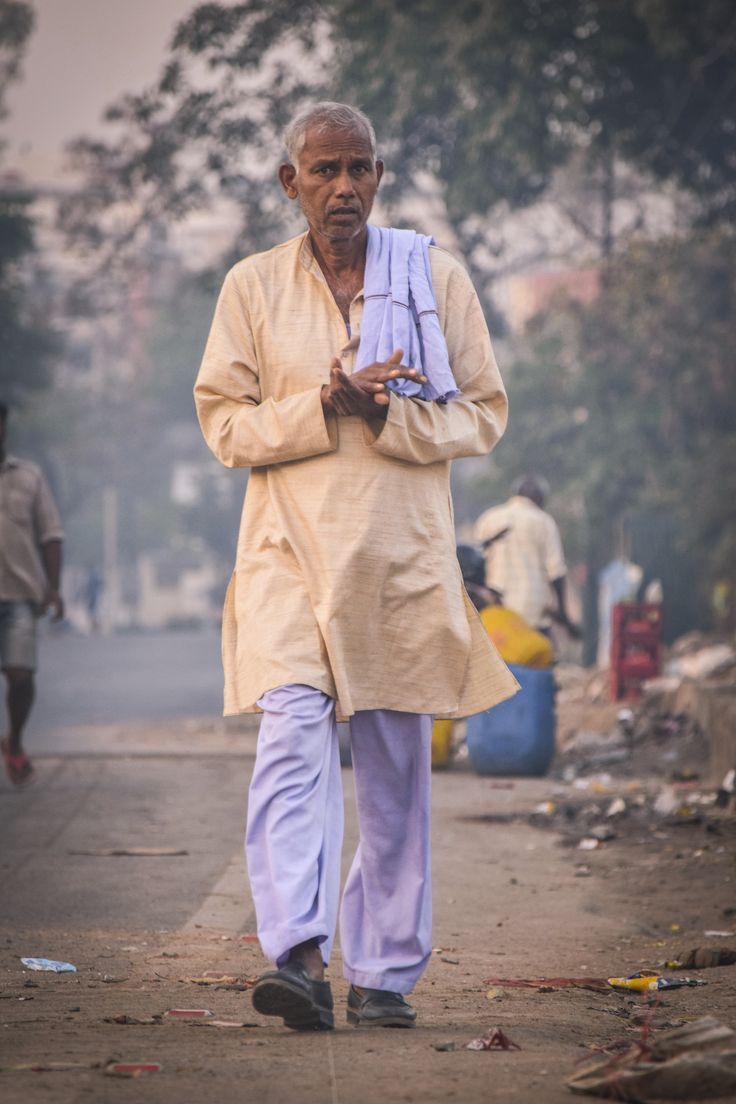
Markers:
<point>342,212</point>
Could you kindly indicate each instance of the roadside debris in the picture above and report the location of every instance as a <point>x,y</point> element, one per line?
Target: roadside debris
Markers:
<point>48,1067</point>
<point>220,1023</point>
<point>137,852</point>
<point>711,660</point>
<point>702,958</point>
<point>131,1069</point>
<point>444,1046</point>
<point>224,981</point>
<point>139,1021</point>
<point>494,1039</point>
<point>547,984</point>
<point>189,1014</point>
<point>694,1062</point>
<point>50,965</point>
<point>726,790</point>
<point>648,981</point>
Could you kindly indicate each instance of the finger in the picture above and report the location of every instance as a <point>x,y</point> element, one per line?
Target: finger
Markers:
<point>395,357</point>
<point>382,399</point>
<point>335,363</point>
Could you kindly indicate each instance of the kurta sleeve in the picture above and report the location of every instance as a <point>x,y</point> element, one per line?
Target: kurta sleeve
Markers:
<point>242,429</point>
<point>469,425</point>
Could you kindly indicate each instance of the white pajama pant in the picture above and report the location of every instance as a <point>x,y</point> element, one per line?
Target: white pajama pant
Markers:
<point>294,837</point>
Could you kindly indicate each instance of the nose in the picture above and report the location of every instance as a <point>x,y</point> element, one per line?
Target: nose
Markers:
<point>344,187</point>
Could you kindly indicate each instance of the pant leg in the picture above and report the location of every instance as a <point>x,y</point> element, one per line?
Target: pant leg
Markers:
<point>386,913</point>
<point>295,821</point>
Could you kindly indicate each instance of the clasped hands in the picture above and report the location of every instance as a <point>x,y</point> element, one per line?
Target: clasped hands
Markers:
<point>364,394</point>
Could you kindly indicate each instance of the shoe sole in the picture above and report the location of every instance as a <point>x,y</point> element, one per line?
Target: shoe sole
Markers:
<point>380,1021</point>
<point>275,997</point>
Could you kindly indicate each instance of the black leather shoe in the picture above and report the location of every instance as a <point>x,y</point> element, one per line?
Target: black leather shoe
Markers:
<point>379,1008</point>
<point>304,1004</point>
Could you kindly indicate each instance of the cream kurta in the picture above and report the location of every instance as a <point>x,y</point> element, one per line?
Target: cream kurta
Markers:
<point>346,577</point>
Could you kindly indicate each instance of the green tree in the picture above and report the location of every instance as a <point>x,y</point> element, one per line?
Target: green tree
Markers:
<point>26,341</point>
<point>489,96</point>
<point>639,403</point>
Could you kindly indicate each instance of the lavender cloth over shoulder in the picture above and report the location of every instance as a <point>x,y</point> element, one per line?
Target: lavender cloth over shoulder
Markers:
<point>400,312</point>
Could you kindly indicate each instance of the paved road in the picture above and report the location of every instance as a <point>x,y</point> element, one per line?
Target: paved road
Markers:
<point>193,804</point>
<point>125,678</point>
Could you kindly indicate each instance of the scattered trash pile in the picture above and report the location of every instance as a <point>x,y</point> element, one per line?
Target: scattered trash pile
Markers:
<point>696,1061</point>
<point>696,657</point>
<point>679,731</point>
<point>590,813</point>
<point>683,1061</point>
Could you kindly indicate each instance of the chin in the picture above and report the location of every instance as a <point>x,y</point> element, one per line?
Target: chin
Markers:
<point>343,233</point>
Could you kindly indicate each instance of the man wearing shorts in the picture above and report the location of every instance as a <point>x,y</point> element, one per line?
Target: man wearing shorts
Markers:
<point>30,570</point>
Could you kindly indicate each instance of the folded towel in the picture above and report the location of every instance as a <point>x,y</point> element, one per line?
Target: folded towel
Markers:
<point>400,312</point>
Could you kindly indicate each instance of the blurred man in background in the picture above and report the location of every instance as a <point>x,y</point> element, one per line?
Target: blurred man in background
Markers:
<point>525,561</point>
<point>30,570</point>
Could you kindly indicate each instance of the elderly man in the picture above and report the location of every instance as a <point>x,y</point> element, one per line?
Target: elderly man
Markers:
<point>525,562</point>
<point>347,599</point>
<point>30,570</point>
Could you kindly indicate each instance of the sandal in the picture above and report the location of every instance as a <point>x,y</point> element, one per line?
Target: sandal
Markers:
<point>18,766</point>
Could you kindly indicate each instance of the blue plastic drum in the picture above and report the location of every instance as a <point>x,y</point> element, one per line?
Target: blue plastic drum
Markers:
<point>517,736</point>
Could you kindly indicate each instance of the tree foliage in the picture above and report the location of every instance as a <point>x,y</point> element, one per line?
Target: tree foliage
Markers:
<point>490,96</point>
<point>16,24</point>
<point>501,92</point>
<point>623,401</point>
<point>26,343</point>
<point>629,403</point>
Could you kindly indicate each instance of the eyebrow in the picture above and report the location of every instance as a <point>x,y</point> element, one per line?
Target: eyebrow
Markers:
<point>329,163</point>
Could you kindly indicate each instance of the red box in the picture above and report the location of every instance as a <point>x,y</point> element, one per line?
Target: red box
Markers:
<point>636,648</point>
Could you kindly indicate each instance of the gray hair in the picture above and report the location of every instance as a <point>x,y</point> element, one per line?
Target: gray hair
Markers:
<point>323,116</point>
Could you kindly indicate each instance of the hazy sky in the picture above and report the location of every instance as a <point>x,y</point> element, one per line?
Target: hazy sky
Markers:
<point>83,54</point>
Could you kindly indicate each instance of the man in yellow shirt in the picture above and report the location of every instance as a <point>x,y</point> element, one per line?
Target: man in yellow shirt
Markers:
<point>526,564</point>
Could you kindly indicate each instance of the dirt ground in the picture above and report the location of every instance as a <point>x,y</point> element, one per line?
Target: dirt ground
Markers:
<point>513,899</point>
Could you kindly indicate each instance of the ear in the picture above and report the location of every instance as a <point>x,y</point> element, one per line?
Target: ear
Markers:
<point>287,176</point>
<point>379,170</point>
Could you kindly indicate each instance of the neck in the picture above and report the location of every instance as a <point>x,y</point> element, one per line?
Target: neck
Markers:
<point>340,257</point>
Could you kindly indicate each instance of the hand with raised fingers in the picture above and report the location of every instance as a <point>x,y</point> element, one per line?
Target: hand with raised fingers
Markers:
<point>364,393</point>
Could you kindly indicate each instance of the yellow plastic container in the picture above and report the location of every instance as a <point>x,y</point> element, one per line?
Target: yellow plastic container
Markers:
<point>441,742</point>
<point>516,640</point>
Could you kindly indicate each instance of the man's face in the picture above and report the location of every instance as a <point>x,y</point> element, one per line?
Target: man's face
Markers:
<point>335,180</point>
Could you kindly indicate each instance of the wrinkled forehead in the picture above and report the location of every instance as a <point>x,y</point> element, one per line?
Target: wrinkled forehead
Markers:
<point>332,143</point>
